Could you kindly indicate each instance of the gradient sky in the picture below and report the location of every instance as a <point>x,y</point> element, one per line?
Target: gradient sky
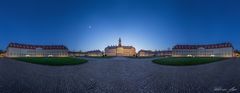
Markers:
<point>95,24</point>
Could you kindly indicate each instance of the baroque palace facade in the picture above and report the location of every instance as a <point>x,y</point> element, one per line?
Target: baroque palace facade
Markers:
<point>211,50</point>
<point>26,50</point>
<point>149,53</point>
<point>120,50</point>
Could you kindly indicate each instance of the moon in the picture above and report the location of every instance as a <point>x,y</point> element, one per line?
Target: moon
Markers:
<point>90,27</point>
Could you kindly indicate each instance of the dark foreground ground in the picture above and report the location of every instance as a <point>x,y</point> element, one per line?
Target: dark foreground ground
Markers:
<point>119,75</point>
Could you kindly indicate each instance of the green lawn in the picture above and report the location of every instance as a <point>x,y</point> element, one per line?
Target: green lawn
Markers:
<point>53,61</point>
<point>185,61</point>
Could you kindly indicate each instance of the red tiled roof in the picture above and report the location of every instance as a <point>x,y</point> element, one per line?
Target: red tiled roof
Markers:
<point>44,47</point>
<point>209,46</point>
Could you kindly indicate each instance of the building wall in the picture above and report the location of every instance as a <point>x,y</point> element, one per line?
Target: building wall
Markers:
<point>2,55</point>
<point>129,52</point>
<point>163,53</point>
<point>111,52</point>
<point>120,51</point>
<point>145,54</point>
<point>19,52</point>
<point>218,52</point>
<point>95,54</point>
<point>236,54</point>
<point>76,54</point>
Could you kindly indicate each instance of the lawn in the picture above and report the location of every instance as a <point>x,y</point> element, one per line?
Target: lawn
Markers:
<point>185,61</point>
<point>53,61</point>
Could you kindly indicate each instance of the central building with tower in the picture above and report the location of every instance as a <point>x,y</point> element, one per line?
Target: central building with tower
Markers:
<point>120,50</point>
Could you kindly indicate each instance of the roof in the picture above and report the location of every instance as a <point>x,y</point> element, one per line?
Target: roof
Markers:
<point>145,50</point>
<point>44,47</point>
<point>111,47</point>
<point>208,46</point>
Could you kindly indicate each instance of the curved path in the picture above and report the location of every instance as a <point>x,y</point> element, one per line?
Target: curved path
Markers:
<point>119,75</point>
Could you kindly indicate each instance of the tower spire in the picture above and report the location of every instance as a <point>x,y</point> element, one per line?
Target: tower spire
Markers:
<point>119,42</point>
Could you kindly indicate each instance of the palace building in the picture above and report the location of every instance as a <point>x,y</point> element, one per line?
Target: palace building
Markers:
<point>94,53</point>
<point>146,53</point>
<point>120,50</point>
<point>211,50</point>
<point>150,53</point>
<point>2,53</point>
<point>26,50</point>
<point>77,54</point>
<point>163,53</point>
<point>236,53</point>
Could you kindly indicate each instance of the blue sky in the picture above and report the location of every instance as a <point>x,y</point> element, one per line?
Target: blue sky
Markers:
<point>95,24</point>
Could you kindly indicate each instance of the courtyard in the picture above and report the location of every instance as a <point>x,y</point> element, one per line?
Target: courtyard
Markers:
<point>119,75</point>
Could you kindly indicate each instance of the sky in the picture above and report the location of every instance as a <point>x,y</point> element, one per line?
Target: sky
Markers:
<point>95,24</point>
